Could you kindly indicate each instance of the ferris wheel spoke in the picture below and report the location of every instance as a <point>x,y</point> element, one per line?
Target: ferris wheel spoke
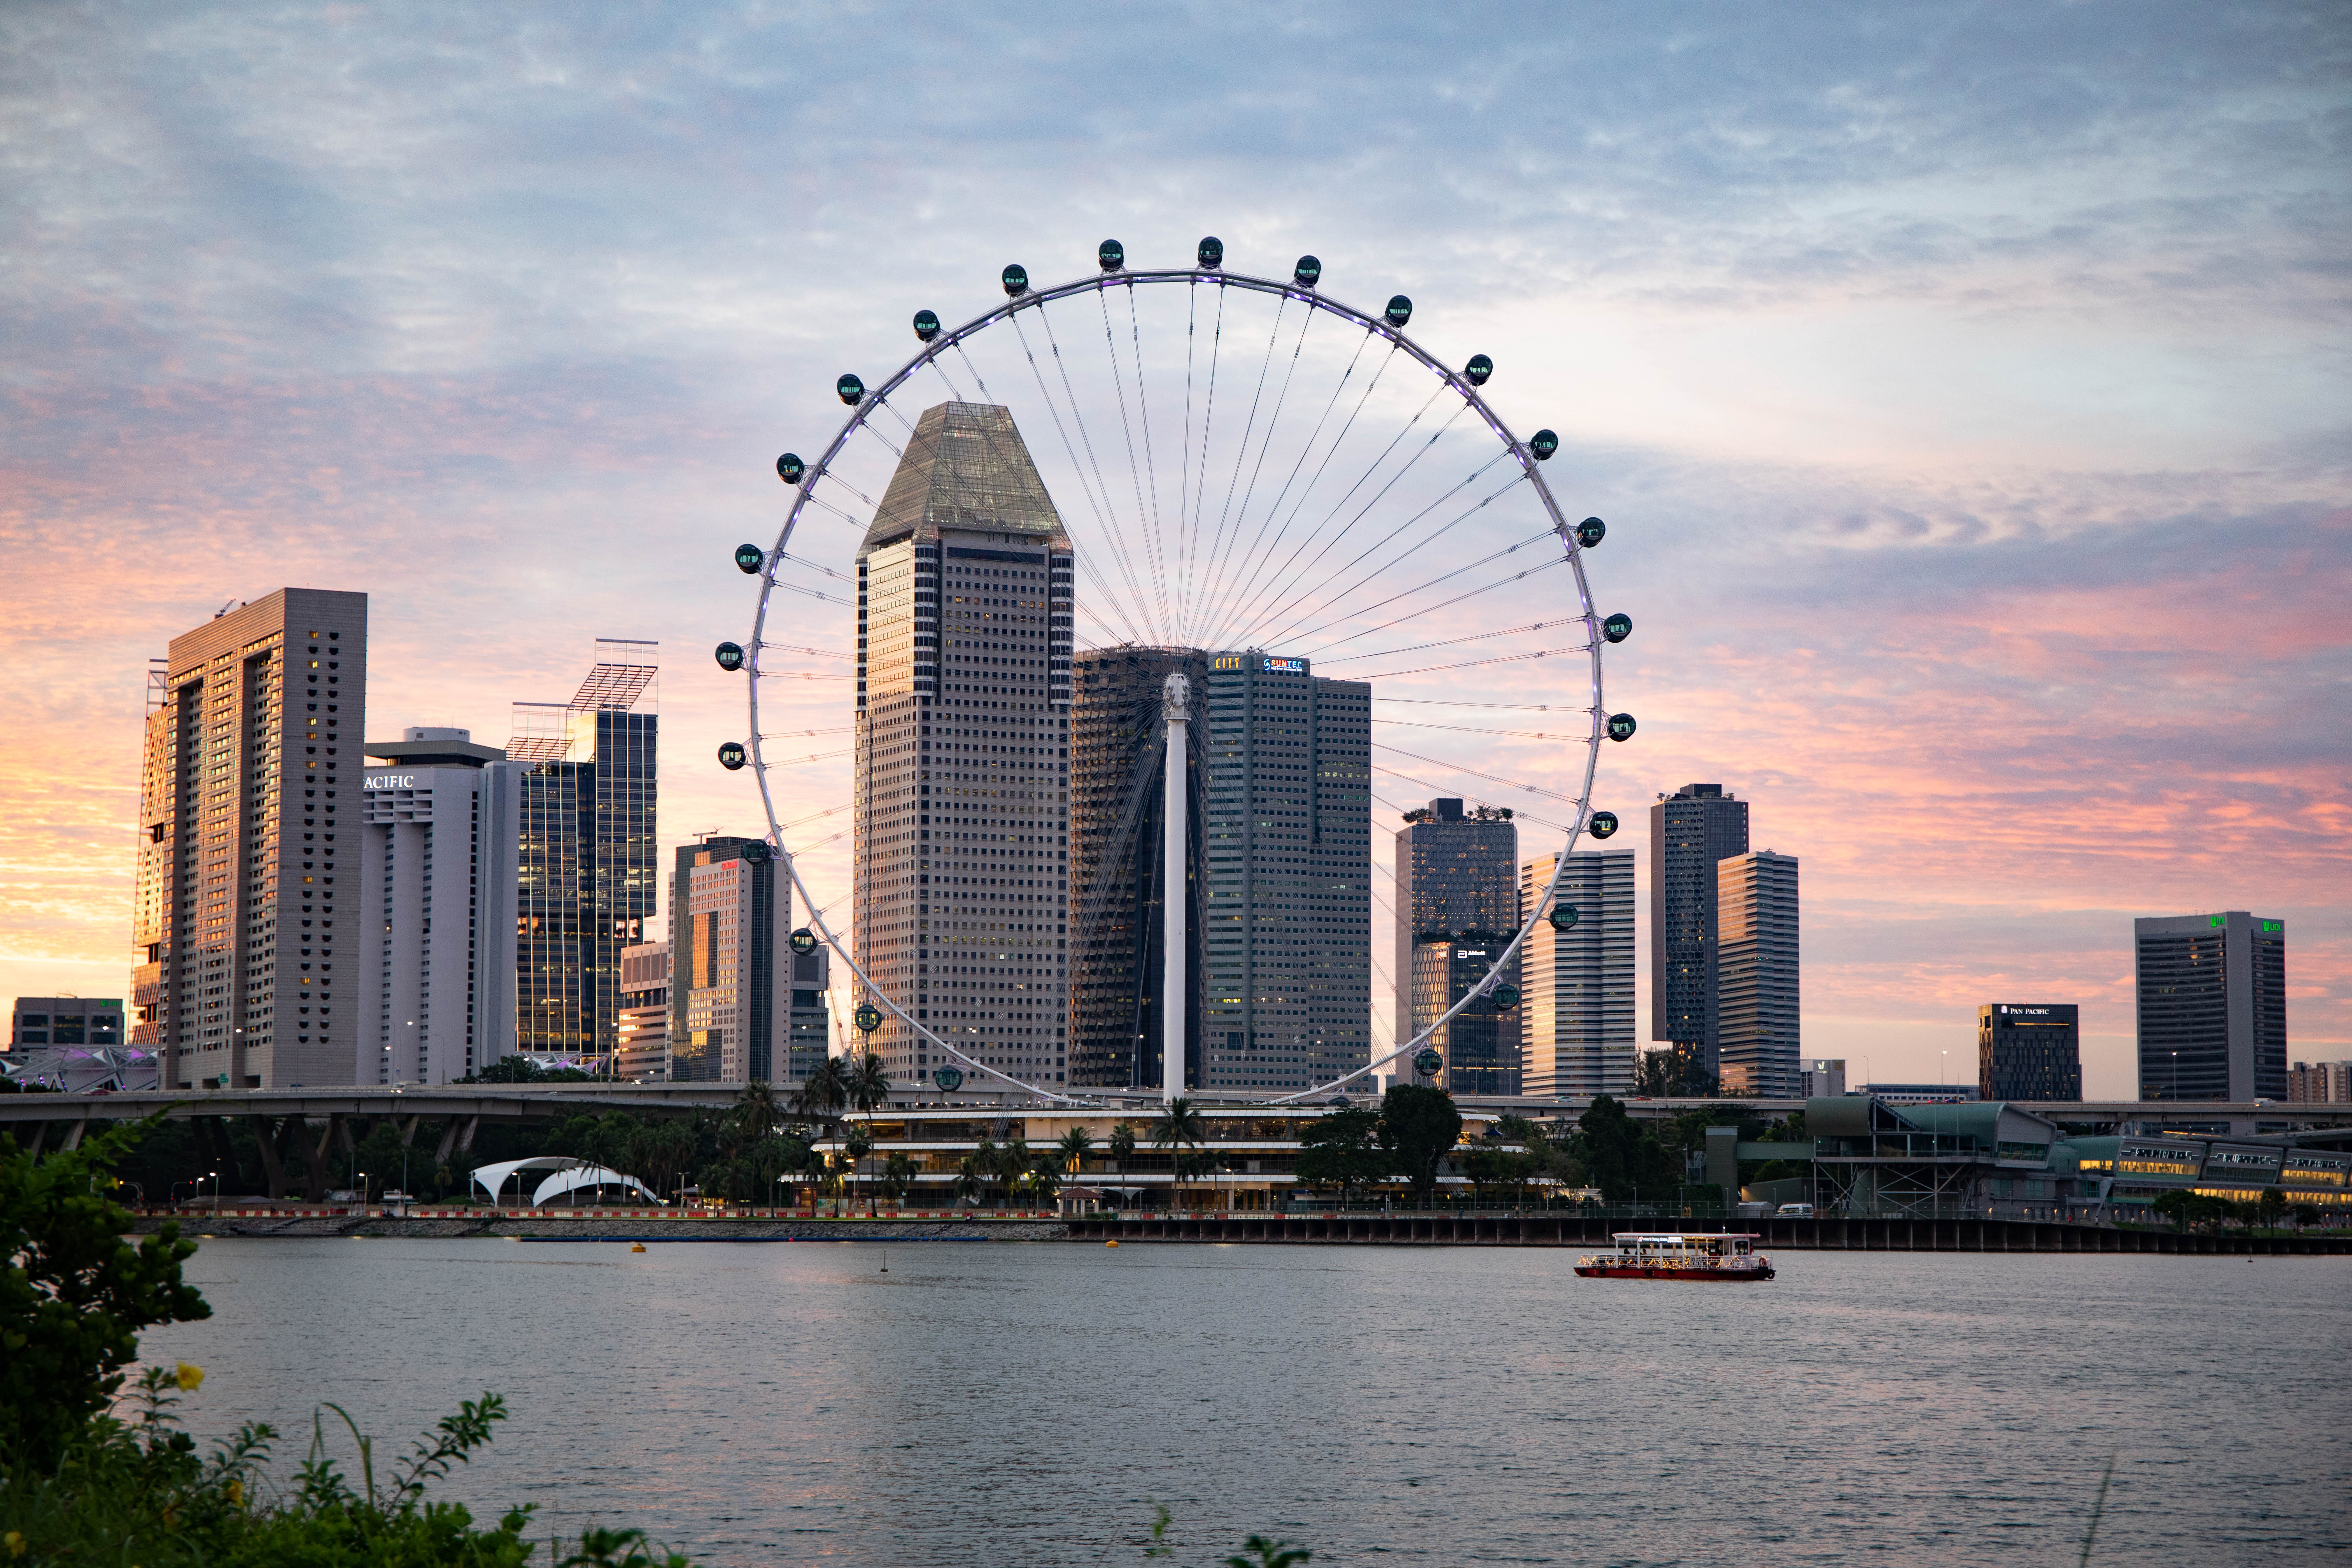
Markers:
<point>1094,503</point>
<point>1476,730</point>
<point>1477,663</point>
<point>1109,513</point>
<point>1473,772</point>
<point>1424,588</point>
<point>1187,601</point>
<point>1143,409</point>
<point>1251,558</point>
<point>1426,609</point>
<point>1145,512</point>
<point>941,371</point>
<point>1448,642</point>
<point>1239,558</point>
<point>1241,455</point>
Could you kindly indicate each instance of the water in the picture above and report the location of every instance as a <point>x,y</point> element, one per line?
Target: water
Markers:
<point>1028,1404</point>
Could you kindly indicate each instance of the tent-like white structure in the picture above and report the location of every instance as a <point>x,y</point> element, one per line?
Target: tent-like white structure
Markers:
<point>570,1176</point>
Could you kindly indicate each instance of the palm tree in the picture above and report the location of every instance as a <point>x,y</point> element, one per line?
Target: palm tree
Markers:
<point>826,1093</point>
<point>1075,1147</point>
<point>1122,1146</point>
<point>1178,1129</point>
<point>969,1182</point>
<point>857,1145</point>
<point>1012,1164</point>
<point>1045,1173</point>
<point>898,1176</point>
<point>755,1113</point>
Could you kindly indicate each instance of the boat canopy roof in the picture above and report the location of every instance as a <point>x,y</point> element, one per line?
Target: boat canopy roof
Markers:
<point>1679,1236</point>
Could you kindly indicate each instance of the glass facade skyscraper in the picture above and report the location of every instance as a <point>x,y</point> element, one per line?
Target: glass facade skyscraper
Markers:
<point>963,752</point>
<point>588,870</point>
<point>1691,832</point>
<point>1757,1016</point>
<point>1456,888</point>
<point>1287,915</point>
<point>2029,1051</point>
<point>1576,989</point>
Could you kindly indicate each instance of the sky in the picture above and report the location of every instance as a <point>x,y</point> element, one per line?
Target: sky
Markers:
<point>1965,386</point>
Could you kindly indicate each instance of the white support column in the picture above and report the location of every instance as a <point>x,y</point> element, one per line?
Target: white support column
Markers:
<point>1175,909</point>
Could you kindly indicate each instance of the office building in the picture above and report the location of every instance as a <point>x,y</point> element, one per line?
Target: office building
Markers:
<point>440,820</point>
<point>1821,1077</point>
<point>1456,883</point>
<point>1286,919</point>
<point>1576,986</point>
<point>1692,831</point>
<point>2212,1007</point>
<point>1478,1047</point>
<point>249,787</point>
<point>812,1018</point>
<point>642,1054</point>
<point>730,922</point>
<point>2319,1083</point>
<point>1756,1012</point>
<point>37,1023</point>
<point>1118,882</point>
<point>2029,1051</point>
<point>588,872</point>
<point>963,752</point>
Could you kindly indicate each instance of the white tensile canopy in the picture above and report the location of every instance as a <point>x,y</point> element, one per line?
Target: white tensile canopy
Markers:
<point>569,1176</point>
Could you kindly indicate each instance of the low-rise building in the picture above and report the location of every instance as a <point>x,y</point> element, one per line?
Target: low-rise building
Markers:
<point>39,1022</point>
<point>2319,1083</point>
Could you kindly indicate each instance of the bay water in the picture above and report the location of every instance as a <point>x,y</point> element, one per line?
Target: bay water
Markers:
<point>1005,1403</point>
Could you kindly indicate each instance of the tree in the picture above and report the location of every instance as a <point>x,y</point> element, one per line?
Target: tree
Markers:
<point>1419,1127</point>
<point>76,1293</point>
<point>1621,1156</point>
<point>1075,1147</point>
<point>1122,1145</point>
<point>1342,1149</point>
<point>1672,1074</point>
<point>898,1176</point>
<point>1010,1161</point>
<point>971,1178</point>
<point>1179,1128</point>
<point>754,1114</point>
<point>2273,1206</point>
<point>865,1085</point>
<point>855,1148</point>
<point>825,1092</point>
<point>1044,1173</point>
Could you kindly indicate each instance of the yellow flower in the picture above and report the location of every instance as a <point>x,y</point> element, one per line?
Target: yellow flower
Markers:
<point>15,1542</point>
<point>237,1493</point>
<point>190,1376</point>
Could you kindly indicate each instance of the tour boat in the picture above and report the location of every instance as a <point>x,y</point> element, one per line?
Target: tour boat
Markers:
<point>1678,1254</point>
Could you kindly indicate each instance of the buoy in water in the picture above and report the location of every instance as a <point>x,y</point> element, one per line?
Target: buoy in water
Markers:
<point>637,1247</point>
<point>1112,1243</point>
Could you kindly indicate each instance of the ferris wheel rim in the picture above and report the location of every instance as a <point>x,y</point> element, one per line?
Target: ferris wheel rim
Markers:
<point>872,399</point>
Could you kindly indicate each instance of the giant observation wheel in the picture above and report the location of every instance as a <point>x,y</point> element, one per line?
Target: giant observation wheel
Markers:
<point>1244,466</point>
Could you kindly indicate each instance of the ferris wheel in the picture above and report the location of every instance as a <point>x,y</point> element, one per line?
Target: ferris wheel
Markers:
<point>1240,466</point>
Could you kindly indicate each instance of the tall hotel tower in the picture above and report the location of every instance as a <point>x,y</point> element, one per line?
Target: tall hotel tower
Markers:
<point>250,786</point>
<point>1690,831</point>
<point>1286,937</point>
<point>1756,1018</point>
<point>963,741</point>
<point>588,872</point>
<point>1456,907</point>
<point>1120,883</point>
<point>1576,1006</point>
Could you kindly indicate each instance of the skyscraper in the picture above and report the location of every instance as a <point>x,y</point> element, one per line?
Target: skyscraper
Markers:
<point>249,787</point>
<point>2212,1007</point>
<point>1287,915</point>
<point>2029,1051</point>
<point>1576,990</point>
<point>588,870</point>
<point>730,921</point>
<point>643,1054</point>
<point>1118,851</point>
<point>1456,887</point>
<point>1757,1014</point>
<point>963,736</point>
<point>439,828</point>
<point>1690,832</point>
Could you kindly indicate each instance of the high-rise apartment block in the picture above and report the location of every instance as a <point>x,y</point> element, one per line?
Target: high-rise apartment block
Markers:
<point>643,1054</point>
<point>963,752</point>
<point>439,821</point>
<point>730,919</point>
<point>1576,985</point>
<point>2029,1051</point>
<point>2319,1083</point>
<point>1286,916</point>
<point>1756,1014</point>
<point>1691,832</point>
<point>250,788</point>
<point>1119,882</point>
<point>589,871</point>
<point>1456,887</point>
<point>39,1022</point>
<point>2212,1007</point>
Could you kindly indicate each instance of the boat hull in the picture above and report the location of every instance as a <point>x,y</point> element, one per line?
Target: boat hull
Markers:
<point>1662,1271</point>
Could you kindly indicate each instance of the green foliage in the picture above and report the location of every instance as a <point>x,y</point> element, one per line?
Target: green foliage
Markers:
<point>522,1069</point>
<point>1343,1150</point>
<point>76,1293</point>
<point>1672,1074</point>
<point>1257,1552</point>
<point>1419,1127</point>
<point>1621,1156</point>
<point>1179,1128</point>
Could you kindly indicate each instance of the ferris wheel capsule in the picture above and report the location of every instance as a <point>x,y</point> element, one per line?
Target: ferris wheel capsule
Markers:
<point>1603,823</point>
<point>1543,443</point>
<point>749,559</point>
<point>849,389</point>
<point>927,325</point>
<point>1399,310</point>
<point>1211,252</point>
<point>1110,256</point>
<point>1618,628</point>
<point>1621,726</point>
<point>1505,996</point>
<point>730,655</point>
<point>1308,272</point>
<point>1479,368</point>
<point>868,1017</point>
<point>1017,281</point>
<point>804,941</point>
<point>1563,917</point>
<point>755,853</point>
<point>731,755</point>
<point>949,1079</point>
<point>790,468</point>
<point>1591,532</point>
<point>1427,1062</point>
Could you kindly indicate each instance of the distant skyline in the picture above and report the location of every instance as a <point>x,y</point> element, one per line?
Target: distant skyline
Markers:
<point>1965,389</point>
